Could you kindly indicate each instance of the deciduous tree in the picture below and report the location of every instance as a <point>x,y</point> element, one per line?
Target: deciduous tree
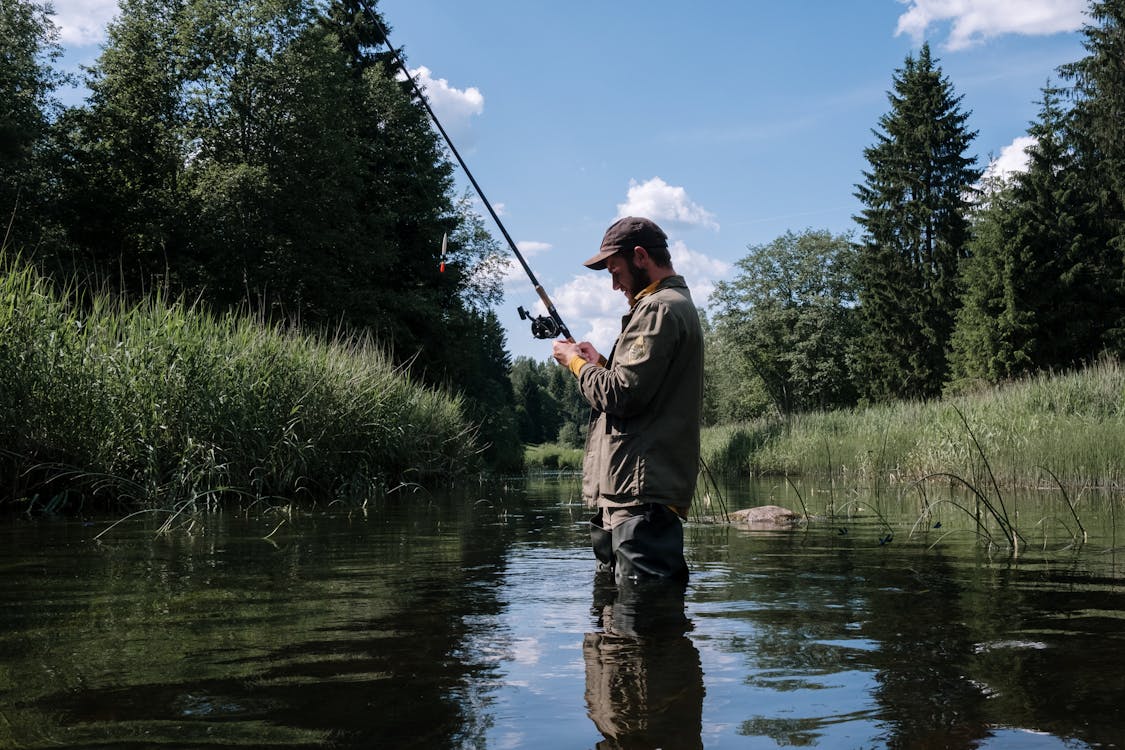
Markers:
<point>789,313</point>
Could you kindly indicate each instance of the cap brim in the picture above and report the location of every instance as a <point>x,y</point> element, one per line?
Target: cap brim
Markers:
<point>598,262</point>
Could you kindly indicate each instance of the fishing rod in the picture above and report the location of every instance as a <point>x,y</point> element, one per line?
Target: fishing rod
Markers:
<point>547,326</point>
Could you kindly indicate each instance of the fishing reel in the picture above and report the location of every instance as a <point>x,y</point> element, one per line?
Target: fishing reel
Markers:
<point>542,326</point>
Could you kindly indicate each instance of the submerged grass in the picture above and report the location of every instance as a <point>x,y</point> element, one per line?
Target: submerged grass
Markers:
<point>161,404</point>
<point>1050,428</point>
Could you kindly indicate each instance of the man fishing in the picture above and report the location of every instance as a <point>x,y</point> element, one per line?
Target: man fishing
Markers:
<point>642,450</point>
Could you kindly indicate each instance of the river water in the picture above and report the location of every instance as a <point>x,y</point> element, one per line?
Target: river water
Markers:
<point>477,621</point>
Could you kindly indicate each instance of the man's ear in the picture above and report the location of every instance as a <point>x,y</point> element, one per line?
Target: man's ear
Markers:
<point>640,257</point>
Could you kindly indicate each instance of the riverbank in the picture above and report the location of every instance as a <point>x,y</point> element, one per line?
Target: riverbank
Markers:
<point>1071,425</point>
<point>162,404</point>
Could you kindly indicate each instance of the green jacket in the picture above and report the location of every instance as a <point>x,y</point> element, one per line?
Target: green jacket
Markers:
<point>646,403</point>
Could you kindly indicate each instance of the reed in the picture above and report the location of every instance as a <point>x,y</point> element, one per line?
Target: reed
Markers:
<point>162,404</point>
<point>553,457</point>
<point>1071,424</point>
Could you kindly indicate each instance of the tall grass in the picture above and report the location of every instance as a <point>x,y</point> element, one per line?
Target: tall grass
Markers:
<point>160,403</point>
<point>1069,426</point>
<point>553,457</point>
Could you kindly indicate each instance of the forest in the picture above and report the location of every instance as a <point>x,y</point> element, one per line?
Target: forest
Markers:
<point>261,158</point>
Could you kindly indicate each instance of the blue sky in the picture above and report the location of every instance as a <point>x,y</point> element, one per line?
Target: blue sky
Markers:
<point>729,122</point>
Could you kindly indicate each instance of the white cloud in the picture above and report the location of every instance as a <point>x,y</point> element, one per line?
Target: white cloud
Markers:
<point>973,21</point>
<point>699,270</point>
<point>452,106</point>
<point>514,277</point>
<point>1012,158</point>
<point>593,309</point>
<point>83,22</point>
<point>531,247</point>
<point>660,201</point>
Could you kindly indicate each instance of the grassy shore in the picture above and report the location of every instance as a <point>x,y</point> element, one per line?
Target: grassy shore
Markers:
<point>552,457</point>
<point>1071,425</point>
<point>161,404</point>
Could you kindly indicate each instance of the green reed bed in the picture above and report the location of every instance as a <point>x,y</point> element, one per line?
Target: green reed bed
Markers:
<point>159,404</point>
<point>1071,425</point>
<point>553,457</point>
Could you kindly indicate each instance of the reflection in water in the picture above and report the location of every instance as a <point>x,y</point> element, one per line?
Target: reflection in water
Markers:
<point>454,623</point>
<point>644,682</point>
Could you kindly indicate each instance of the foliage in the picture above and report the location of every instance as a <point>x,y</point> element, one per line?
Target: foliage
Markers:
<point>260,155</point>
<point>915,234</point>
<point>732,390</point>
<point>1043,289</point>
<point>487,391</point>
<point>549,406</point>
<point>162,404</point>
<point>789,314</point>
<point>1100,100</point>
<point>29,44</point>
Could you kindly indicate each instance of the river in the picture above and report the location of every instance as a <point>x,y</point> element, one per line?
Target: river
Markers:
<point>477,621</point>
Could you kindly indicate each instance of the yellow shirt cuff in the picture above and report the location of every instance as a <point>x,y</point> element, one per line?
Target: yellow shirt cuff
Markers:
<point>575,364</point>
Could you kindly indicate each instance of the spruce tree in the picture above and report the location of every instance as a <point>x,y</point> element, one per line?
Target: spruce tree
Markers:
<point>1098,135</point>
<point>915,234</point>
<point>1024,283</point>
<point>1099,80</point>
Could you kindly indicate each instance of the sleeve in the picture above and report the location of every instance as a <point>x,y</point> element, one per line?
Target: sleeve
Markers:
<point>640,363</point>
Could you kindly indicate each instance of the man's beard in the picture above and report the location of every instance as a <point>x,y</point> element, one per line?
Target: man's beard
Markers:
<point>641,277</point>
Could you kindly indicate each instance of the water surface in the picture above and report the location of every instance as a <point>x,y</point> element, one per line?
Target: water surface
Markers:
<point>478,621</point>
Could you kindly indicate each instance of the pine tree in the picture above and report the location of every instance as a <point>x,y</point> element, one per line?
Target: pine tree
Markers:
<point>1099,81</point>
<point>1041,290</point>
<point>915,234</point>
<point>1098,134</point>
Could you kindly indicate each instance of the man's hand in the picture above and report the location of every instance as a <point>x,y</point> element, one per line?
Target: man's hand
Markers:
<point>588,352</point>
<point>564,351</point>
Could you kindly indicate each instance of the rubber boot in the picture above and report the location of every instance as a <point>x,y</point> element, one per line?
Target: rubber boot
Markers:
<point>650,544</point>
<point>602,543</point>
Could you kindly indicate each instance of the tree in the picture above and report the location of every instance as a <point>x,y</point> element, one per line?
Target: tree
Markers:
<point>537,412</point>
<point>790,315</point>
<point>573,408</point>
<point>732,390</point>
<point>1099,81</point>
<point>915,233</point>
<point>29,44</point>
<point>489,397</point>
<point>259,154</point>
<point>123,156</point>
<point>1042,288</point>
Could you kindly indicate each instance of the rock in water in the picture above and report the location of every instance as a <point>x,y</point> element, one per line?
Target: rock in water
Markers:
<point>765,516</point>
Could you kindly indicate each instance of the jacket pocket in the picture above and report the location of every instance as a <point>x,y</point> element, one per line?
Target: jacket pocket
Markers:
<point>624,469</point>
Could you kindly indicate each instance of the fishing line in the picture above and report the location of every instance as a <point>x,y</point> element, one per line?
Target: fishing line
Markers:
<point>543,327</point>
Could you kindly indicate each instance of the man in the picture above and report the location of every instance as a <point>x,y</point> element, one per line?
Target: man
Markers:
<point>642,450</point>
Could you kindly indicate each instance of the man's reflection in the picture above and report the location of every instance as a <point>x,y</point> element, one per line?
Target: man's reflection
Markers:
<point>644,682</point>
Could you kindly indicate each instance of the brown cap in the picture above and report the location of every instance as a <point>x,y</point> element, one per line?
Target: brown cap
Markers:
<point>625,234</point>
